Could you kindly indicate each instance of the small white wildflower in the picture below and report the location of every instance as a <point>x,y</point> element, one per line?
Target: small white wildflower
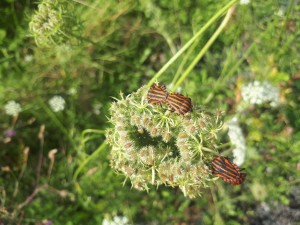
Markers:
<point>258,93</point>
<point>106,221</point>
<point>121,220</point>
<point>12,108</point>
<point>72,91</point>
<point>238,140</point>
<point>28,58</point>
<point>280,12</point>
<point>57,103</point>
<point>244,2</point>
<point>96,108</point>
<point>269,170</point>
<point>117,220</point>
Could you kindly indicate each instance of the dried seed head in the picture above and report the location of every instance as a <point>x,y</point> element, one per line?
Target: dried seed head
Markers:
<point>155,131</point>
<point>146,155</point>
<point>202,124</point>
<point>186,154</point>
<point>189,126</point>
<point>140,130</point>
<point>135,120</point>
<point>166,136</point>
<point>182,136</point>
<point>166,153</point>
<point>128,170</point>
<point>145,120</point>
<point>129,145</point>
<point>123,137</point>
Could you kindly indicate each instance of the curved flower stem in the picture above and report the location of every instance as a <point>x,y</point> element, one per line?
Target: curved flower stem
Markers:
<point>92,156</point>
<point>95,131</point>
<point>205,48</point>
<point>190,42</point>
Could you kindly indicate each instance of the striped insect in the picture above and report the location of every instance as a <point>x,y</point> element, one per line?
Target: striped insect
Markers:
<point>228,171</point>
<point>157,95</point>
<point>179,103</point>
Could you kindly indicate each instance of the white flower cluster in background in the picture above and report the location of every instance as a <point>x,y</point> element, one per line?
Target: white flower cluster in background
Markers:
<point>238,140</point>
<point>12,108</point>
<point>72,91</point>
<point>258,93</point>
<point>280,12</point>
<point>57,103</point>
<point>97,108</point>
<point>244,2</point>
<point>117,220</point>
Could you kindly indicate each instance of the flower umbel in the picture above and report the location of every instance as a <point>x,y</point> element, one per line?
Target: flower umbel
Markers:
<point>258,93</point>
<point>57,103</point>
<point>12,108</point>
<point>117,220</point>
<point>238,140</point>
<point>244,2</point>
<point>152,145</point>
<point>52,23</point>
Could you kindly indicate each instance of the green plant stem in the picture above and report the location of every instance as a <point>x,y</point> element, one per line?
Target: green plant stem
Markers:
<point>229,74</point>
<point>240,61</point>
<point>205,48</point>
<point>190,42</point>
<point>185,60</point>
<point>95,131</point>
<point>92,156</point>
<point>291,4</point>
<point>90,131</point>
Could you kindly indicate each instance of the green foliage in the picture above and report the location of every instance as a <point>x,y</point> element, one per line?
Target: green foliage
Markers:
<point>55,165</point>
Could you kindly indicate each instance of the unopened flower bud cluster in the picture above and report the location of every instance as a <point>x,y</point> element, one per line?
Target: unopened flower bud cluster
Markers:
<point>152,145</point>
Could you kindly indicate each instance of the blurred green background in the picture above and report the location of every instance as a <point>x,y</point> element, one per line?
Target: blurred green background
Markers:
<point>81,53</point>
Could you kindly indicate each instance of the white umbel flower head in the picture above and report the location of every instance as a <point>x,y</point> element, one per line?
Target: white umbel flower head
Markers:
<point>258,93</point>
<point>117,220</point>
<point>12,108</point>
<point>244,2</point>
<point>72,91</point>
<point>280,12</point>
<point>57,103</point>
<point>97,108</point>
<point>238,140</point>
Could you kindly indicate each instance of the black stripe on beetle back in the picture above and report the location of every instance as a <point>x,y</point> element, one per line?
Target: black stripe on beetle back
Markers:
<point>179,103</point>
<point>226,168</point>
<point>228,171</point>
<point>157,94</point>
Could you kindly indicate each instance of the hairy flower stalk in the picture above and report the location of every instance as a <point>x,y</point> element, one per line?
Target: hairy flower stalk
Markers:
<point>152,145</point>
